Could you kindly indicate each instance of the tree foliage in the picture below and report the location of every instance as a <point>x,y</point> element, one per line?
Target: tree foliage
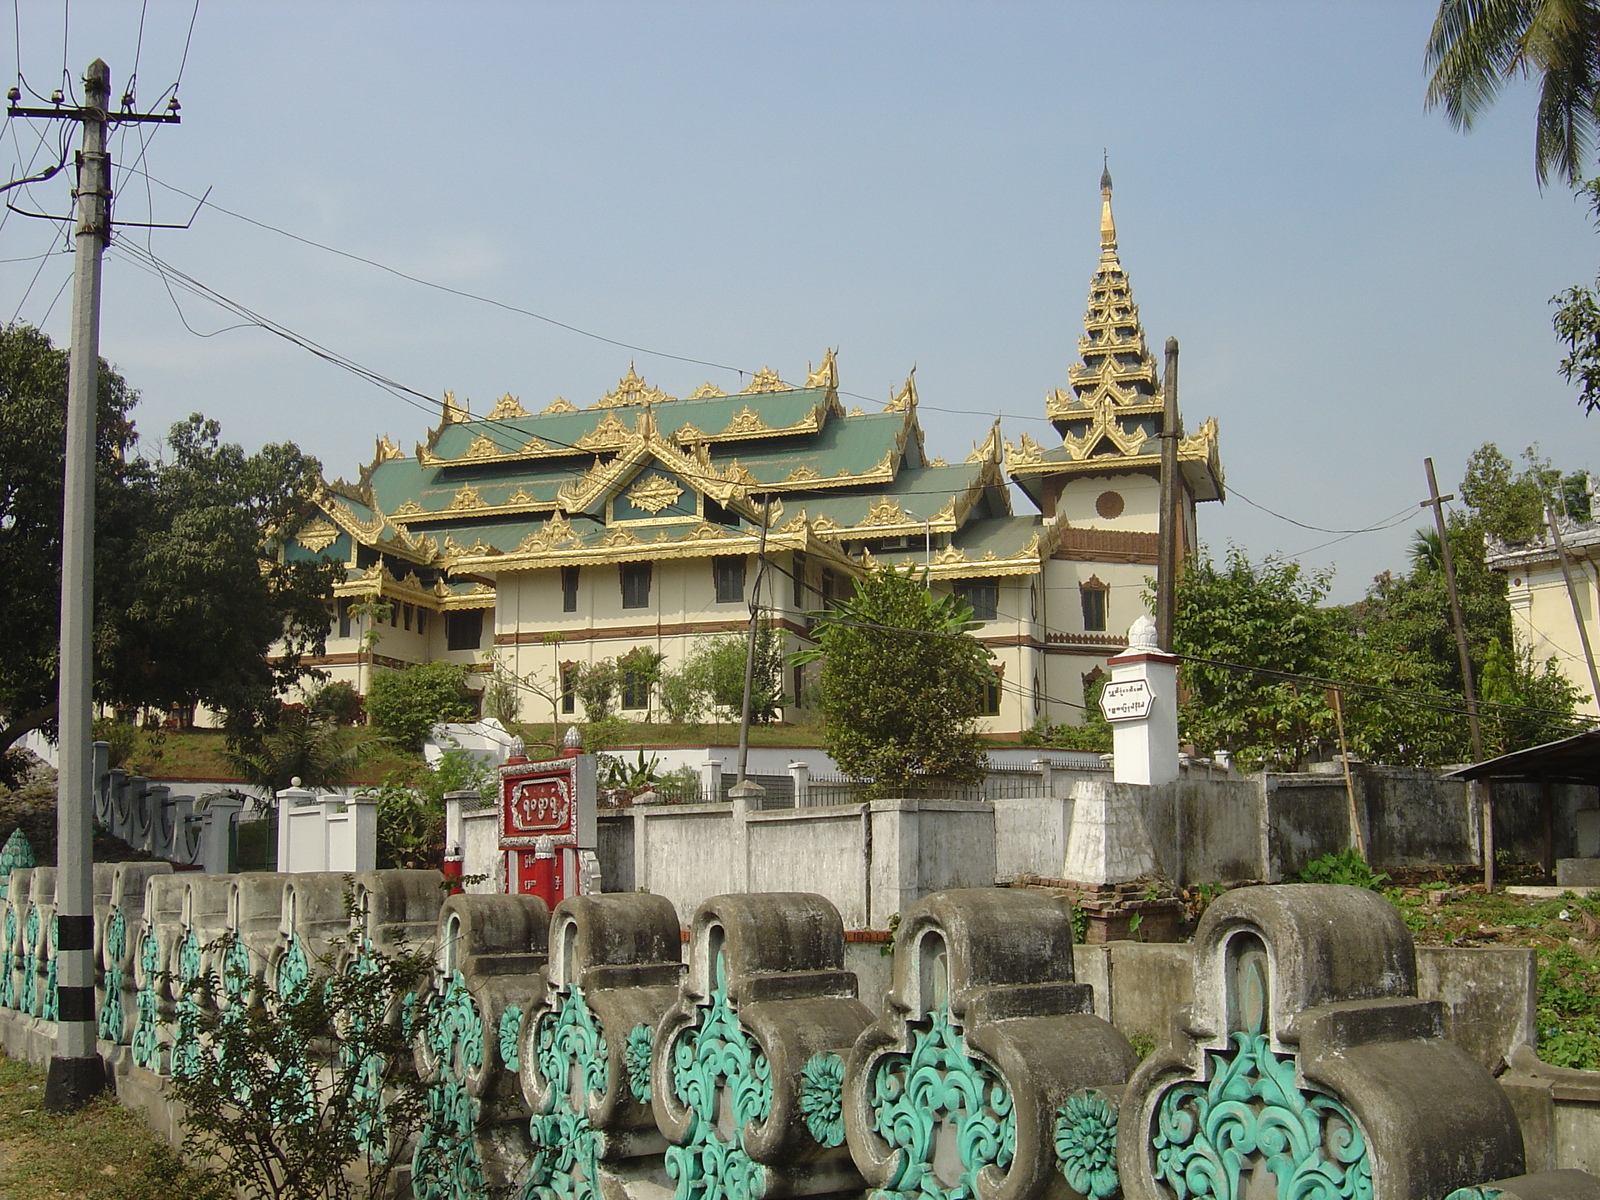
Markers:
<point>1396,647</point>
<point>190,595</point>
<point>713,673</point>
<point>901,682</point>
<point>1477,46</point>
<point>404,705</point>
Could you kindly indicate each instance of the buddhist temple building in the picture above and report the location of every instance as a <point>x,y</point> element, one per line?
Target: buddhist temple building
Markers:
<point>553,536</point>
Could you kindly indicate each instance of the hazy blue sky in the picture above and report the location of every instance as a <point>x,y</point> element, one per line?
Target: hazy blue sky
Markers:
<point>1355,284</point>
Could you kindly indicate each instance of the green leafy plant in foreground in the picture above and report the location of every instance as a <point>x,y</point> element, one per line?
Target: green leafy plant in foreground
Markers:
<point>1343,866</point>
<point>308,1092</point>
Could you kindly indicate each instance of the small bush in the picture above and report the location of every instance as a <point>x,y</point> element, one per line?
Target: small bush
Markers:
<point>404,705</point>
<point>597,689</point>
<point>122,739</point>
<point>681,702</point>
<point>337,702</point>
<point>1344,866</point>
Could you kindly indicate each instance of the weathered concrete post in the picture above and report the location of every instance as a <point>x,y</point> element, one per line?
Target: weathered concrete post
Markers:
<point>800,773</point>
<point>1141,702</point>
<point>216,833</point>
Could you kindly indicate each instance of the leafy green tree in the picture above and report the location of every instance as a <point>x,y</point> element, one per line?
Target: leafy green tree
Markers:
<point>404,705</point>
<point>1241,623</point>
<point>1477,46</point>
<point>33,391</point>
<point>715,670</point>
<point>597,689</point>
<point>191,598</point>
<point>338,702</point>
<point>900,684</point>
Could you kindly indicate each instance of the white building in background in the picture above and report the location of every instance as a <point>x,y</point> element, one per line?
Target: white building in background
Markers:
<point>560,536</point>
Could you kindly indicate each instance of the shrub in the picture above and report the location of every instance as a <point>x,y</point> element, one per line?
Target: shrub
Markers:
<point>405,705</point>
<point>337,702</point>
<point>681,702</point>
<point>597,689</point>
<point>123,740</point>
<point>1344,866</point>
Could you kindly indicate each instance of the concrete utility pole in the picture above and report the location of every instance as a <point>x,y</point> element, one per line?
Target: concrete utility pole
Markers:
<point>743,786</point>
<point>1171,510</point>
<point>1436,502</point>
<point>76,1073</point>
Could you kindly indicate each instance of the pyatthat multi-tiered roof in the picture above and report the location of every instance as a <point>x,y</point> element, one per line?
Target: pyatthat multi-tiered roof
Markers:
<point>589,532</point>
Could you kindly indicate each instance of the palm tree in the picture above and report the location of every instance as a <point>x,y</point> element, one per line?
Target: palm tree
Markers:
<point>1477,45</point>
<point>1426,555</point>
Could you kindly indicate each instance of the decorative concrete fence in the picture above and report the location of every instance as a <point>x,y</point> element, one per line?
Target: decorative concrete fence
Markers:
<point>581,1054</point>
<point>329,831</point>
<point>145,815</point>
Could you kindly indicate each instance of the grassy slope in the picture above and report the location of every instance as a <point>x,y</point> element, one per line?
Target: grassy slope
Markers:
<point>103,1152</point>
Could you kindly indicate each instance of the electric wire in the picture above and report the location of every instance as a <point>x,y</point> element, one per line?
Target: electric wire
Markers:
<point>188,37</point>
<point>1377,525</point>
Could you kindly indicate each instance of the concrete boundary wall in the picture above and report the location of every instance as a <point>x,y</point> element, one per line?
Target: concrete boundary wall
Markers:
<point>871,860</point>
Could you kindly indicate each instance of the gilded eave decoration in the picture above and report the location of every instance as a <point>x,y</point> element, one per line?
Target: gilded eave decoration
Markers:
<point>765,380</point>
<point>954,563</point>
<point>317,534</point>
<point>506,407</point>
<point>557,548</point>
<point>631,389</point>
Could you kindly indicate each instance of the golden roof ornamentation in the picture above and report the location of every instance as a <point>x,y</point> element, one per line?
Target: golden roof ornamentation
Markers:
<point>690,433</point>
<point>388,450</point>
<point>825,376</point>
<point>410,508</point>
<point>557,531</point>
<point>631,389</point>
<point>857,411</point>
<point>317,534</point>
<point>619,537</point>
<point>609,434</point>
<point>506,407</point>
<point>989,450</point>
<point>746,421</point>
<point>654,494</point>
<point>520,496</point>
<point>765,380</point>
<point>887,512</point>
<point>558,405</point>
<point>939,462</point>
<point>482,446</point>
<point>801,474</point>
<point>536,446</point>
<point>1029,453</point>
<point>455,412</point>
<point>706,391</point>
<point>465,500</point>
<point>906,398</point>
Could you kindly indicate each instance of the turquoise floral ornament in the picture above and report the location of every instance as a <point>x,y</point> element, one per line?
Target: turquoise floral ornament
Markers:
<point>1086,1145</point>
<point>568,1046</point>
<point>914,1094</point>
<point>111,1028</point>
<point>1209,1136</point>
<point>510,1038</point>
<point>636,1059</point>
<point>822,1098</point>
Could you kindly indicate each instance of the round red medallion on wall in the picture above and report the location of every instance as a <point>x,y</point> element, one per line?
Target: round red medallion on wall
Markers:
<point>1109,505</point>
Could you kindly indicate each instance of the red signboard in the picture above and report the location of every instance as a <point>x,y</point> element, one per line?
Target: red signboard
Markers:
<point>547,820</point>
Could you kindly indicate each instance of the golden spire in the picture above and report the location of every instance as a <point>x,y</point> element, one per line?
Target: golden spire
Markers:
<point>1108,224</point>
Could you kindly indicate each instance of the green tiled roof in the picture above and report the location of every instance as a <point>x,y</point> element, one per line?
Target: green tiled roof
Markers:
<point>1006,536</point>
<point>854,444</point>
<point>710,416</point>
<point>920,491</point>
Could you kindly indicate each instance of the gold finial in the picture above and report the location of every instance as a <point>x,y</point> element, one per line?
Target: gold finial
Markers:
<point>1108,226</point>
<point>454,410</point>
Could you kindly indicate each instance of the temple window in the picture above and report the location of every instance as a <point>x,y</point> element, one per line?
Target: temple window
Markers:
<point>635,689</point>
<point>989,697</point>
<point>463,630</point>
<point>569,589</point>
<point>727,572</point>
<point>636,585</point>
<point>983,595</point>
<point>406,611</point>
<point>422,621</point>
<point>1093,594</point>
<point>344,616</point>
<point>569,687</point>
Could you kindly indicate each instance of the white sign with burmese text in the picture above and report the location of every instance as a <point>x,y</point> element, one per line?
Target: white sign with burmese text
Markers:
<point>1128,700</point>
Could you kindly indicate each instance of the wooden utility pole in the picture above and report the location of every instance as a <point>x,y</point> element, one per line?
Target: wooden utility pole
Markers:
<point>1171,510</point>
<point>1572,598</point>
<point>76,1073</point>
<point>1357,839</point>
<point>1436,502</point>
<point>744,786</point>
